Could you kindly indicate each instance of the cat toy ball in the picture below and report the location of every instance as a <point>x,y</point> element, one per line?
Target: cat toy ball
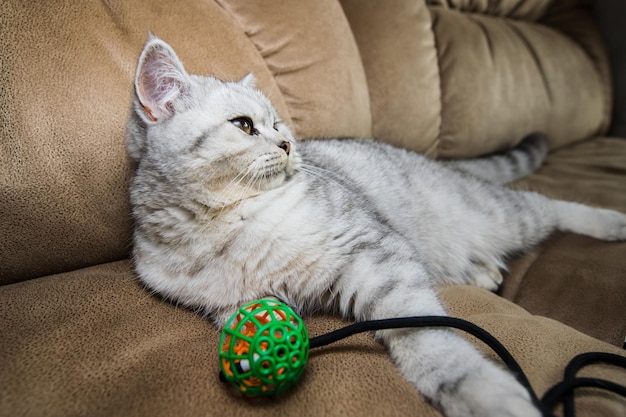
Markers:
<point>264,348</point>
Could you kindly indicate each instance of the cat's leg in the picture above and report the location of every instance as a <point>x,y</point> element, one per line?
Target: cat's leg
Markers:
<point>521,220</point>
<point>514,221</point>
<point>465,384</point>
<point>443,366</point>
<point>530,217</point>
<point>590,221</point>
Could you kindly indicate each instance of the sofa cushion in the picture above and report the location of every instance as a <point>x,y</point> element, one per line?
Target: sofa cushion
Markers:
<point>502,78</point>
<point>489,73</point>
<point>399,55</point>
<point>543,347</point>
<point>576,279</point>
<point>94,342</point>
<point>67,84</point>
<point>66,81</point>
<point>309,47</point>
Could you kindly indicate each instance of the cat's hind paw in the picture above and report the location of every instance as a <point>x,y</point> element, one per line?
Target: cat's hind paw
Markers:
<point>598,223</point>
<point>487,276</point>
<point>613,226</point>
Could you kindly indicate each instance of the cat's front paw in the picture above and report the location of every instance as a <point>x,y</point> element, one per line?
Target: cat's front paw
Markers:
<point>487,392</point>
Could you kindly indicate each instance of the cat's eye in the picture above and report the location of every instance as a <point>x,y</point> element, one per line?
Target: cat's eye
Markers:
<point>245,125</point>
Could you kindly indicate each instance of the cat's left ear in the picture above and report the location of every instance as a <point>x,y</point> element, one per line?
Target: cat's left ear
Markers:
<point>161,82</point>
<point>249,80</point>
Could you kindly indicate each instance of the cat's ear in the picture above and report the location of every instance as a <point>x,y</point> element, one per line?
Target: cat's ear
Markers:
<point>160,81</point>
<point>249,80</point>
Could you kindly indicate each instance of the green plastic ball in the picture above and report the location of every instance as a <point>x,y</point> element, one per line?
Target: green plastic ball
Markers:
<point>263,348</point>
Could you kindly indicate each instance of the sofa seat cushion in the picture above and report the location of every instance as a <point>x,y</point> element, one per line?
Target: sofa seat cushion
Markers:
<point>94,342</point>
<point>575,279</point>
<point>542,346</point>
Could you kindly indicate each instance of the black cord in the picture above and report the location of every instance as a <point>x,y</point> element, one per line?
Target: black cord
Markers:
<point>425,321</point>
<point>434,321</point>
<point>562,391</point>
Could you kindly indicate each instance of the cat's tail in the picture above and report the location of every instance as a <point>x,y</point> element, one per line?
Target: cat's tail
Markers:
<point>508,166</point>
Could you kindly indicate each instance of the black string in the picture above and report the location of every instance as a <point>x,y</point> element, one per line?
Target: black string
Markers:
<point>561,392</point>
<point>433,321</point>
<point>564,390</point>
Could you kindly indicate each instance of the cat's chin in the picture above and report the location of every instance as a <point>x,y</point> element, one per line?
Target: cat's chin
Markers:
<point>277,177</point>
<point>223,198</point>
<point>275,181</point>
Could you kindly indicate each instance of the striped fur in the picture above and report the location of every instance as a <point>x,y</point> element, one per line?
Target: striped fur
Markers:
<point>508,166</point>
<point>229,208</point>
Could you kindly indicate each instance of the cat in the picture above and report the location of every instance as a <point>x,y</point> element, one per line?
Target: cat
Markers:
<point>229,208</point>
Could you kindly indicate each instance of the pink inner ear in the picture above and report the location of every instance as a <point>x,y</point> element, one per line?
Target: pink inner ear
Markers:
<point>161,81</point>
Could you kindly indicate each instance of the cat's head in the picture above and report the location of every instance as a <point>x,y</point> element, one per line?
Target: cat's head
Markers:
<point>224,137</point>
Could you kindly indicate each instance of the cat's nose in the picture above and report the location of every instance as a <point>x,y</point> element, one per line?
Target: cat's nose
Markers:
<point>285,146</point>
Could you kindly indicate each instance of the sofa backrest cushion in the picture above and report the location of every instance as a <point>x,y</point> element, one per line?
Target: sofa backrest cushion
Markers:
<point>464,78</point>
<point>66,85</point>
<point>310,50</point>
<point>400,58</point>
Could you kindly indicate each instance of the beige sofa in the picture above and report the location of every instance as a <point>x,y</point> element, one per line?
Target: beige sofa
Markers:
<point>79,336</point>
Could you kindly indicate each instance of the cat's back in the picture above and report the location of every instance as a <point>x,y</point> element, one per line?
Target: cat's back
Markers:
<point>363,161</point>
<point>388,176</point>
<point>414,195</point>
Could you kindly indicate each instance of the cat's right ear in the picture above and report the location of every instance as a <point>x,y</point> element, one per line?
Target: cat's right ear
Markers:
<point>161,82</point>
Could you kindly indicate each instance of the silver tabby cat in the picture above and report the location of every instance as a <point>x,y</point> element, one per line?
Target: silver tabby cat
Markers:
<point>229,208</point>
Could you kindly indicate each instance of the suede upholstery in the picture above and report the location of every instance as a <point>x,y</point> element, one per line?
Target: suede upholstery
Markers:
<point>80,336</point>
<point>396,43</point>
<point>298,49</point>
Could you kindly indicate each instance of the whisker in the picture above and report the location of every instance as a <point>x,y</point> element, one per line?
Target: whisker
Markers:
<point>320,173</point>
<point>251,181</point>
<point>250,184</point>
<point>236,181</point>
<point>219,72</point>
